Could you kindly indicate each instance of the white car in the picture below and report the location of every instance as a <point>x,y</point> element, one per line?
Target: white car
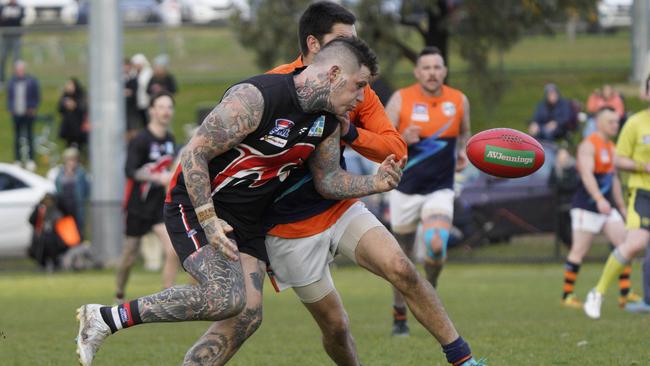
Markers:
<point>208,11</point>
<point>20,191</point>
<point>50,11</point>
<point>614,14</point>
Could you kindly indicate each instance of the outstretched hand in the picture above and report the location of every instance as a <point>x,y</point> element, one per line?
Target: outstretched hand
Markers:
<point>389,173</point>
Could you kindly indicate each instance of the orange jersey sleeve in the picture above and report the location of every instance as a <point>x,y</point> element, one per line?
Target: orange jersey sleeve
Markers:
<point>377,136</point>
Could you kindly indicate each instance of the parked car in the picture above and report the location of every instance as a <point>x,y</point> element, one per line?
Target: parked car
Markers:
<point>495,209</point>
<point>133,11</point>
<point>50,11</point>
<point>20,191</point>
<point>613,14</point>
<point>209,11</point>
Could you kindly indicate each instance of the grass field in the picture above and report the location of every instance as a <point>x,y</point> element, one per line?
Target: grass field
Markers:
<point>509,313</point>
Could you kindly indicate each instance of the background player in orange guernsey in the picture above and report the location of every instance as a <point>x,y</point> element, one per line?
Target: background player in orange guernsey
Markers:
<point>309,230</point>
<point>434,120</point>
<point>597,204</point>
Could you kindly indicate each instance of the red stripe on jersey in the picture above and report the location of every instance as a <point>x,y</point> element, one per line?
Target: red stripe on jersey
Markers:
<point>188,228</point>
<point>172,183</point>
<point>127,192</point>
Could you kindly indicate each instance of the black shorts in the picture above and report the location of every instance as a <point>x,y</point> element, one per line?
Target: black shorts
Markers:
<point>137,225</point>
<point>187,235</point>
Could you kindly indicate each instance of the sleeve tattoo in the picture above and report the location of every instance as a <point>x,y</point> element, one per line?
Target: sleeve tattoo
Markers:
<point>330,180</point>
<point>238,114</point>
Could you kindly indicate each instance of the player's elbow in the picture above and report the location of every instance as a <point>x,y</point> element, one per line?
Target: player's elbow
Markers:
<point>325,187</point>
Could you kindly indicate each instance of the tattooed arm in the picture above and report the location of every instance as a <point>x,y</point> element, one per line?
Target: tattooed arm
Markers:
<point>332,182</point>
<point>238,114</point>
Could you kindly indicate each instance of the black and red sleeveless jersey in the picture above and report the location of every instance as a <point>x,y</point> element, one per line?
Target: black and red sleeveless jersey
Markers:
<point>245,179</point>
<point>146,199</point>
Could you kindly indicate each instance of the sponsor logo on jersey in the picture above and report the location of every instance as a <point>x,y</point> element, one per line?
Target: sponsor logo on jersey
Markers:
<point>645,139</point>
<point>282,128</point>
<point>154,151</point>
<point>317,127</point>
<point>507,157</point>
<point>448,109</point>
<point>604,156</point>
<point>279,134</point>
<point>420,113</point>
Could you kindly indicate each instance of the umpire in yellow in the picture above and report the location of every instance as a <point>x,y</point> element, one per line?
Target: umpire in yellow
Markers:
<point>632,155</point>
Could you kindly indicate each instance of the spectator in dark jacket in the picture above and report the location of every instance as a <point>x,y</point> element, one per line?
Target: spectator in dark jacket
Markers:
<point>162,80</point>
<point>73,110</point>
<point>552,117</point>
<point>11,17</point>
<point>23,99</point>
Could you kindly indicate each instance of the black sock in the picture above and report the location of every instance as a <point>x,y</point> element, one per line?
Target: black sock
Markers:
<point>399,313</point>
<point>457,351</point>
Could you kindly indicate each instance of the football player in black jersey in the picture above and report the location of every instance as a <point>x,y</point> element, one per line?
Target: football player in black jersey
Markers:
<point>262,129</point>
<point>149,157</point>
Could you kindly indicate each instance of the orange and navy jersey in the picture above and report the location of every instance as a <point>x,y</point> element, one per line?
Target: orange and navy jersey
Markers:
<point>246,178</point>
<point>432,161</point>
<point>603,172</point>
<point>301,211</point>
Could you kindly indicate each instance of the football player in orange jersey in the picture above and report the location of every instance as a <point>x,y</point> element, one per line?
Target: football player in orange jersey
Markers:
<point>597,204</point>
<point>308,230</point>
<point>434,120</point>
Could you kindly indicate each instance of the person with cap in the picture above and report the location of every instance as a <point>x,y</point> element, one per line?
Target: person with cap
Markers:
<point>162,79</point>
<point>552,117</point>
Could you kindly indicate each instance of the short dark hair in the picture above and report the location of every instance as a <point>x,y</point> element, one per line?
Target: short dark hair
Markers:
<point>363,53</point>
<point>161,94</point>
<point>318,20</point>
<point>429,50</point>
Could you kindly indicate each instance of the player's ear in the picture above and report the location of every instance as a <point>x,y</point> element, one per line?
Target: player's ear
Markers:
<point>333,73</point>
<point>313,45</point>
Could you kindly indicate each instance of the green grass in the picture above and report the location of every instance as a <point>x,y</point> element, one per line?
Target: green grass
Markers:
<point>509,313</point>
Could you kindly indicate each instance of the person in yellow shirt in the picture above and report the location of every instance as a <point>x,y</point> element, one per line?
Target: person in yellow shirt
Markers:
<point>633,155</point>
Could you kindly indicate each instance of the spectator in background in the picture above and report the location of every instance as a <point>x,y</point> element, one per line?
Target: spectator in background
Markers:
<point>162,79</point>
<point>73,110</point>
<point>607,96</point>
<point>134,120</point>
<point>23,99</point>
<point>143,74</point>
<point>553,116</point>
<point>72,186</point>
<point>11,16</point>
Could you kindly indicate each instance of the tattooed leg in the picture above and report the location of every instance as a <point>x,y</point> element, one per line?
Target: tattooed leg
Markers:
<point>223,338</point>
<point>219,294</point>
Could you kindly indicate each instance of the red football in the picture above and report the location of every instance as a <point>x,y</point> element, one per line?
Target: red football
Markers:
<point>504,152</point>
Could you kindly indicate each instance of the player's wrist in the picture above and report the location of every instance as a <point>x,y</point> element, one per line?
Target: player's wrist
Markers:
<point>206,214</point>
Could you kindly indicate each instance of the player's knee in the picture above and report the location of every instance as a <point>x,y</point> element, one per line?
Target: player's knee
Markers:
<point>402,273</point>
<point>248,321</point>
<point>338,327</point>
<point>224,303</point>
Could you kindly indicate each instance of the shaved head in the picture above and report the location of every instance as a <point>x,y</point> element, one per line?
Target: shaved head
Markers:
<point>349,53</point>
